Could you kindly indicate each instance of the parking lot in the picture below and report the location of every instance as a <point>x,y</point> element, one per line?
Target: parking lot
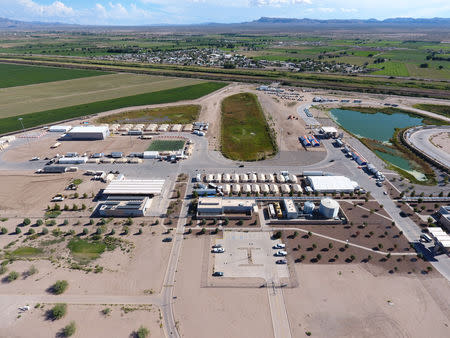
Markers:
<point>249,254</point>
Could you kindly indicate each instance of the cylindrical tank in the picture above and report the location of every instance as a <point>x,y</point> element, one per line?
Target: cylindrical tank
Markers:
<point>329,208</point>
<point>308,208</point>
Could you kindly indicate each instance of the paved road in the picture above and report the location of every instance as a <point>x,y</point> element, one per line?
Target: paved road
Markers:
<point>421,140</point>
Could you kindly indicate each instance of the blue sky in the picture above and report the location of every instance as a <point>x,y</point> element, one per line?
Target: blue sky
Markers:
<point>147,12</point>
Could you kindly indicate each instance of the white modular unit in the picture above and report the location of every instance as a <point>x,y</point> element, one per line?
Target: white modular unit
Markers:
<point>163,127</point>
<point>59,129</point>
<point>150,154</point>
<point>218,178</point>
<point>188,127</point>
<point>236,188</point>
<point>293,178</point>
<point>261,178</point>
<point>244,178</point>
<point>274,189</point>
<point>235,178</point>
<point>265,188</point>
<point>226,189</point>
<point>280,178</point>
<point>247,189</point>
<point>151,127</point>
<point>176,128</point>
<point>252,178</point>
<point>93,160</point>
<point>285,188</point>
<point>255,188</point>
<point>209,178</point>
<point>226,178</point>
<point>270,178</point>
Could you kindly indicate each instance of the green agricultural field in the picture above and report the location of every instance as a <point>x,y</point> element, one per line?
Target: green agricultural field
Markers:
<point>245,133</point>
<point>26,251</point>
<point>165,96</point>
<point>172,115</point>
<point>53,95</point>
<point>434,108</point>
<point>12,75</point>
<point>391,69</point>
<point>84,250</point>
<point>166,145</point>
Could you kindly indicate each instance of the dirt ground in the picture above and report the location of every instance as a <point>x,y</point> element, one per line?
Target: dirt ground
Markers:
<point>89,319</point>
<point>41,147</point>
<point>441,140</point>
<point>25,194</point>
<point>348,301</point>
<point>218,312</point>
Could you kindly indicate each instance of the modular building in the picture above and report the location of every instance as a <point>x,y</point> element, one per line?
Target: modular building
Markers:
<point>255,188</point>
<point>336,184</point>
<point>124,206</point>
<point>59,129</point>
<point>235,178</point>
<point>217,206</point>
<point>134,187</point>
<point>265,188</point>
<point>88,133</point>
<point>72,160</point>
<point>261,178</point>
<point>150,154</point>
<point>54,169</point>
<point>244,178</point>
<point>329,208</point>
<point>291,209</point>
<point>236,188</point>
<point>274,189</point>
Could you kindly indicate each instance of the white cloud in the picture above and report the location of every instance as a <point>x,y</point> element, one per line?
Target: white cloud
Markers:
<point>278,3</point>
<point>325,9</point>
<point>349,10</point>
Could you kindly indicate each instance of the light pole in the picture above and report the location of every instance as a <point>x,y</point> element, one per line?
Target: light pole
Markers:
<point>23,128</point>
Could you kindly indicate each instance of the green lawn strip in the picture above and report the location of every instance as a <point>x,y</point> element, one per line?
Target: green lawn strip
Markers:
<point>172,115</point>
<point>84,250</point>
<point>434,108</point>
<point>192,92</point>
<point>12,75</point>
<point>26,251</point>
<point>245,133</point>
<point>166,145</point>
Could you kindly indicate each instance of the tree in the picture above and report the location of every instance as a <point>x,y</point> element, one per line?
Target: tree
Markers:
<point>66,222</point>
<point>58,311</point>
<point>352,257</point>
<point>277,235</point>
<point>140,231</point>
<point>12,276</point>
<point>31,231</point>
<point>129,221</point>
<point>69,329</point>
<point>142,332</point>
<point>85,231</point>
<point>319,257</point>
<point>44,231</point>
<point>59,287</point>
<point>66,207</point>
<point>18,230</point>
<point>39,222</point>
<point>85,195</point>
<point>76,195</point>
<point>26,221</point>
<point>83,206</point>
<point>75,207</point>
<point>330,246</point>
<point>91,222</point>
<point>125,230</point>
<point>3,231</point>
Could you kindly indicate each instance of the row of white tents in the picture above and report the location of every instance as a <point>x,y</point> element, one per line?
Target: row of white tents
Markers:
<point>252,178</point>
<point>261,188</point>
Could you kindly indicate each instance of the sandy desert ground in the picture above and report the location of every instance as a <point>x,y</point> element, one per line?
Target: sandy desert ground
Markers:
<point>441,140</point>
<point>348,301</point>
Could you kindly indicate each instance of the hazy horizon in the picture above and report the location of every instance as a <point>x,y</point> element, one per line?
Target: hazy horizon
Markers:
<point>154,12</point>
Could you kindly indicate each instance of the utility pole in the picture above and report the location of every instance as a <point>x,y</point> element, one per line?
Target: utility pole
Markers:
<point>23,129</point>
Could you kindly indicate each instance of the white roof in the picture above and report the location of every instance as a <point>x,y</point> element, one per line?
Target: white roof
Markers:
<point>329,130</point>
<point>59,127</point>
<point>332,183</point>
<point>134,187</point>
<point>89,129</point>
<point>329,203</point>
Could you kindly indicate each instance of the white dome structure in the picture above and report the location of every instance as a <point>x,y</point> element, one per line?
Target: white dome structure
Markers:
<point>329,208</point>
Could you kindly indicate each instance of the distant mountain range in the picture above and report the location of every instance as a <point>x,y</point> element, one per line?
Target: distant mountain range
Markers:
<point>264,21</point>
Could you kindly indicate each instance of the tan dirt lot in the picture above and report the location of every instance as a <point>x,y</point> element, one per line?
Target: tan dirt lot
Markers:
<point>347,301</point>
<point>90,322</point>
<point>218,312</point>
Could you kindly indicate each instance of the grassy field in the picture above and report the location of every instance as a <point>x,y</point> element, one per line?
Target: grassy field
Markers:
<point>53,95</point>
<point>84,250</point>
<point>166,145</point>
<point>175,114</point>
<point>26,251</point>
<point>10,124</point>
<point>245,133</point>
<point>12,75</point>
<point>434,108</point>
<point>391,69</point>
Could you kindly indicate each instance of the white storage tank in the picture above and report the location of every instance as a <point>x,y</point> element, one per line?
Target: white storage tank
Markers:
<point>308,208</point>
<point>235,178</point>
<point>261,178</point>
<point>329,208</point>
<point>236,188</point>
<point>244,178</point>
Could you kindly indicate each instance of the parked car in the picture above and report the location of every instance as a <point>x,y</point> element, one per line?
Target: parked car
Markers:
<point>217,246</point>
<point>167,239</point>
<point>281,261</point>
<point>425,238</point>
<point>281,253</point>
<point>218,250</point>
<point>218,274</point>
<point>279,246</point>
<point>35,159</point>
